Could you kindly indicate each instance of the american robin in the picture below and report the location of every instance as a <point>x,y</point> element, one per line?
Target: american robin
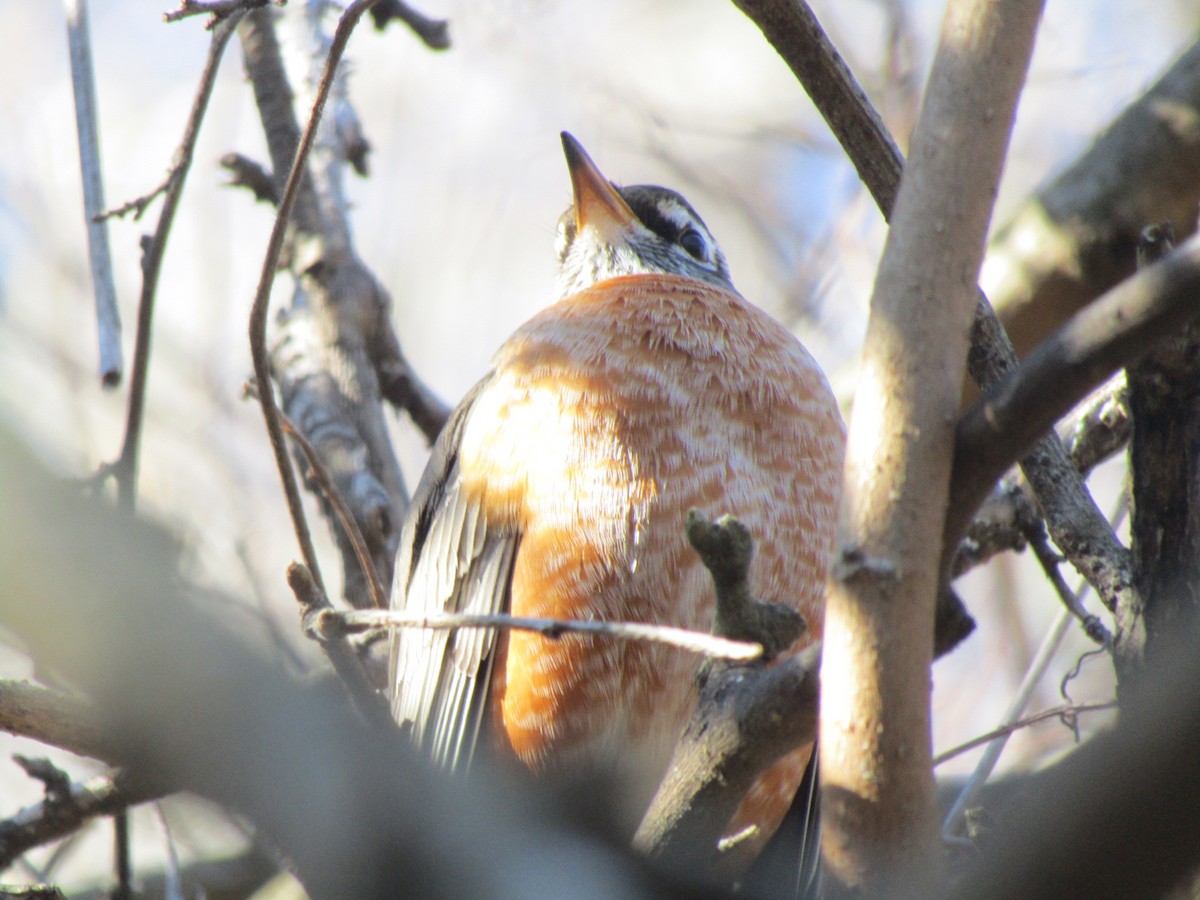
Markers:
<point>560,485</point>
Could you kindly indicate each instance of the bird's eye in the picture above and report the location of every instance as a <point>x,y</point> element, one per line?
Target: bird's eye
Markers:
<point>693,242</point>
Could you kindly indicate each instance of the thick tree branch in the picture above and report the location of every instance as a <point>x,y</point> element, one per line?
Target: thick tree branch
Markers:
<point>1075,239</point>
<point>1085,352</point>
<point>52,717</point>
<point>1164,461</point>
<point>334,353</point>
<point>878,804</point>
<point>1069,509</point>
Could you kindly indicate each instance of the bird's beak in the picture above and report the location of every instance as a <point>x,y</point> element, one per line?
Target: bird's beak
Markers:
<point>597,203</point>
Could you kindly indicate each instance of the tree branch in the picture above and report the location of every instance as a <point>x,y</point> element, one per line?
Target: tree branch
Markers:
<point>66,812</point>
<point>1164,395</point>
<point>52,717</point>
<point>1081,355</point>
<point>125,469</point>
<point>87,126</point>
<point>877,802</point>
<point>748,713</point>
<point>1075,239</point>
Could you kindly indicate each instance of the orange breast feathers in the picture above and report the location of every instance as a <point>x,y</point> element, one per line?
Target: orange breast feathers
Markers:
<point>608,416</point>
<point>560,487</point>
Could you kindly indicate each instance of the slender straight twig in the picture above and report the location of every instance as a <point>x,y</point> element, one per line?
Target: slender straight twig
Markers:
<point>87,126</point>
<point>262,296</point>
<point>1033,675</point>
<point>125,469</point>
<point>340,509</point>
<point>334,622</point>
<point>1066,711</point>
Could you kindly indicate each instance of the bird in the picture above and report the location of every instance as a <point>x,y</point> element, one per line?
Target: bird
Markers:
<point>559,487</point>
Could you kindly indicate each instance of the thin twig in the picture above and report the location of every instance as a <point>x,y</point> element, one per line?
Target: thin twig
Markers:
<point>173,883</point>
<point>218,9</point>
<point>314,605</point>
<point>1033,675</point>
<point>138,205</point>
<point>125,468</point>
<point>325,482</point>
<point>329,623</point>
<point>108,316</point>
<point>1049,561</point>
<point>262,296</point>
<point>1057,712</point>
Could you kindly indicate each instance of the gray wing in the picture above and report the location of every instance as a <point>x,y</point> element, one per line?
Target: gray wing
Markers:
<point>449,560</point>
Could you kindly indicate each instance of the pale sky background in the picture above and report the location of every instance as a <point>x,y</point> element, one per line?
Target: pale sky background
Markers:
<point>457,220</point>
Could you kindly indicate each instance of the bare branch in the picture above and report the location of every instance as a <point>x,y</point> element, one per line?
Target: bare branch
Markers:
<point>87,124</point>
<point>315,605</point>
<point>1067,711</point>
<point>1069,364</point>
<point>747,715</point>
<point>1165,490</point>
<point>218,9</point>
<point>879,623</point>
<point>328,623</point>
<point>138,205</point>
<point>69,808</point>
<point>125,469</point>
<point>52,717</point>
<point>258,314</point>
<point>334,498</point>
<point>1099,428</point>
<point>1075,238</point>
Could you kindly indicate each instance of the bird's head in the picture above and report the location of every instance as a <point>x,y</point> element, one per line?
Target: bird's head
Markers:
<point>642,229</point>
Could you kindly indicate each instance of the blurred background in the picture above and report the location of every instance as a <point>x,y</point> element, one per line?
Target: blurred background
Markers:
<point>457,220</point>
